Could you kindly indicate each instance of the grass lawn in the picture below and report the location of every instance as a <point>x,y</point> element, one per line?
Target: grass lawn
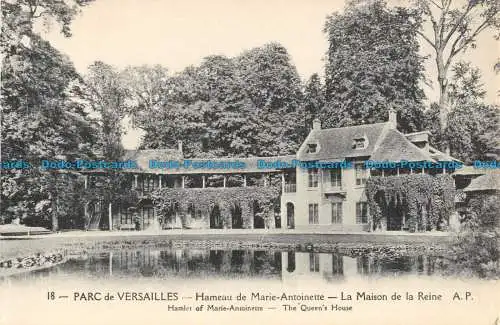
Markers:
<point>16,230</point>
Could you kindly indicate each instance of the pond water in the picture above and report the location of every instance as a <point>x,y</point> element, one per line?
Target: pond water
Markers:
<point>209,264</point>
<point>190,274</point>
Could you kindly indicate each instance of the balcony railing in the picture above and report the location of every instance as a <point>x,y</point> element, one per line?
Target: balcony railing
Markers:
<point>290,188</point>
<point>328,188</point>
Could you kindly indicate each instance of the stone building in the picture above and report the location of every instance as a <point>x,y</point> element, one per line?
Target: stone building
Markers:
<point>328,198</point>
<point>335,199</point>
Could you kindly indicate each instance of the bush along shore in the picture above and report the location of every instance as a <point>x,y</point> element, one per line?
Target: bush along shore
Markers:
<point>347,249</point>
<point>31,263</point>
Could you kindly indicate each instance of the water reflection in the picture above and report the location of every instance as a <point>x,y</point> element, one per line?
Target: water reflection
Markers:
<point>207,264</point>
<point>336,267</point>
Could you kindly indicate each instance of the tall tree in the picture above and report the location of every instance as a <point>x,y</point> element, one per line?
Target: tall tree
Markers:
<point>39,114</point>
<point>107,96</point>
<point>247,105</point>
<point>473,127</point>
<point>229,108</point>
<point>19,17</point>
<point>373,63</point>
<point>314,99</point>
<point>146,86</point>
<point>273,85</point>
<point>198,106</point>
<point>451,27</point>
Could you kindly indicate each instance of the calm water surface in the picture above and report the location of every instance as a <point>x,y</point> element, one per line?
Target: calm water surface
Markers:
<point>192,273</point>
<point>274,265</point>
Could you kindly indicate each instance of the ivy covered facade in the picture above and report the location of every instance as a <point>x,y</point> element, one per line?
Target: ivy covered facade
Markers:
<point>343,194</point>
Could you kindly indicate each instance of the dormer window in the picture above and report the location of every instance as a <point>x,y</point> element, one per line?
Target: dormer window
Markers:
<point>360,143</point>
<point>312,147</point>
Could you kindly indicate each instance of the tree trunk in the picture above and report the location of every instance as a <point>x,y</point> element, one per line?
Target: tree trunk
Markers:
<point>54,203</point>
<point>55,219</point>
<point>443,97</point>
<point>443,90</point>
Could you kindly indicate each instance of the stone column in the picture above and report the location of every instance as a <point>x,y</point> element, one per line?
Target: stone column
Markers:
<point>271,224</point>
<point>244,180</point>
<point>86,181</point>
<point>110,263</point>
<point>159,181</point>
<point>136,181</point>
<point>224,181</point>
<point>204,181</point>
<point>110,217</point>
<point>283,182</point>
<point>251,215</point>
<point>183,181</point>
<point>86,213</point>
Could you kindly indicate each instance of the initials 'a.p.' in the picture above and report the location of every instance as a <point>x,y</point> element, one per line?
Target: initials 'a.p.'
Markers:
<point>465,296</point>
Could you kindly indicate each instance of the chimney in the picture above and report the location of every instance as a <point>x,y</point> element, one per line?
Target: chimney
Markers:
<point>316,124</point>
<point>393,117</point>
<point>179,146</point>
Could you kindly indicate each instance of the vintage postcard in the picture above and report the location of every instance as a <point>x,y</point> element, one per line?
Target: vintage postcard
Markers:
<point>250,162</point>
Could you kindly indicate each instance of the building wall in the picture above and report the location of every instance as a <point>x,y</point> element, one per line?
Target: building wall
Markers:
<point>324,195</point>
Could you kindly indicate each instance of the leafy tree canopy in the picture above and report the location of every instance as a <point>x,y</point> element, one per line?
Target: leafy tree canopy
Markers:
<point>373,63</point>
<point>247,105</point>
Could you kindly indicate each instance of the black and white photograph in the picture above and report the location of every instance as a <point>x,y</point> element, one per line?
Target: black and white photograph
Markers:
<point>250,162</point>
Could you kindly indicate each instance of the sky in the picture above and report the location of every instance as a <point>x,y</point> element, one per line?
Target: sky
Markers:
<point>179,33</point>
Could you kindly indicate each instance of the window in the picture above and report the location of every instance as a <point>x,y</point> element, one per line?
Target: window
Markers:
<point>336,178</point>
<point>152,183</point>
<point>312,148</point>
<point>312,177</point>
<point>126,217</point>
<point>337,212</point>
<point>314,262</point>
<point>360,143</point>
<point>313,213</point>
<point>149,183</point>
<point>361,174</point>
<point>147,216</point>
<point>361,212</point>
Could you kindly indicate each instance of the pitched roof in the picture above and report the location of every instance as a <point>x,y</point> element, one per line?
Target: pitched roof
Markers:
<point>487,182</point>
<point>468,171</point>
<point>441,156</point>
<point>250,163</point>
<point>383,143</point>
<point>142,157</point>
<point>395,146</point>
<point>338,142</point>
